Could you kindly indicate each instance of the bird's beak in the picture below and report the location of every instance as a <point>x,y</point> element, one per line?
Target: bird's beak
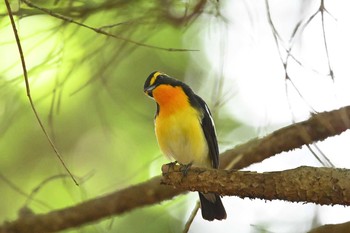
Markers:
<point>148,90</point>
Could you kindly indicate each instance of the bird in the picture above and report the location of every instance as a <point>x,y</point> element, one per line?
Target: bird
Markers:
<point>185,132</point>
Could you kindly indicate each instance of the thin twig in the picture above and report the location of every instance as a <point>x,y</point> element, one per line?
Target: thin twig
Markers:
<point>100,31</point>
<point>42,183</point>
<point>191,218</point>
<point>26,80</point>
<point>285,63</point>
<point>322,9</point>
<point>20,191</point>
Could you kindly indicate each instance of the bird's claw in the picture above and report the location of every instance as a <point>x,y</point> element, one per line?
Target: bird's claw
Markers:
<point>184,168</point>
<point>171,165</point>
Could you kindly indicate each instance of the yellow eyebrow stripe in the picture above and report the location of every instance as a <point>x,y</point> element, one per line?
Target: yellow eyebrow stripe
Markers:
<point>153,79</point>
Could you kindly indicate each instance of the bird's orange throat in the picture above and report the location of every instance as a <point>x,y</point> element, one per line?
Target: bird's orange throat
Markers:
<point>170,99</point>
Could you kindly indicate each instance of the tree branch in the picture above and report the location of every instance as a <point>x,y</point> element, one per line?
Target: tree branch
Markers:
<point>325,186</point>
<point>332,228</point>
<point>318,127</point>
<point>119,202</point>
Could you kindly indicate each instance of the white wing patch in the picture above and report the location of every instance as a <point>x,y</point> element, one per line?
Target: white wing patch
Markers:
<point>211,118</point>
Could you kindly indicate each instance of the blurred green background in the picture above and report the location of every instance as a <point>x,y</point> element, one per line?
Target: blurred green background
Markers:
<point>88,90</point>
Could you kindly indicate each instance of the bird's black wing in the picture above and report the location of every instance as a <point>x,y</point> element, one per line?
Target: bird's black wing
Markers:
<point>209,132</point>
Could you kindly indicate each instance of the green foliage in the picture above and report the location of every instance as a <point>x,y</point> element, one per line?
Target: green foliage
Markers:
<point>87,88</point>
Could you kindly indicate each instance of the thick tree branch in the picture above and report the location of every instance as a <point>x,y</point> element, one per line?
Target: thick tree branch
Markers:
<point>137,196</point>
<point>318,127</point>
<point>325,186</point>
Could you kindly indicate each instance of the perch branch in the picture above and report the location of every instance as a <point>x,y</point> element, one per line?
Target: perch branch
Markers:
<point>324,186</point>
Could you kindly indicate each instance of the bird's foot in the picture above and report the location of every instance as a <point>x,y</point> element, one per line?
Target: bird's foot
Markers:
<point>171,165</point>
<point>184,168</point>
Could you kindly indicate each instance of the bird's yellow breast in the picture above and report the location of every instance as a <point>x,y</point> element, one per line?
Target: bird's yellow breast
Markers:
<point>178,129</point>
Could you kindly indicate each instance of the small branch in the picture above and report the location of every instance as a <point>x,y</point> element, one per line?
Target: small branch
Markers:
<point>191,218</point>
<point>26,81</point>
<point>325,186</point>
<point>332,228</point>
<point>322,9</point>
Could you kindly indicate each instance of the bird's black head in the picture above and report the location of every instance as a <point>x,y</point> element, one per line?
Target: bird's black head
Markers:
<point>156,79</point>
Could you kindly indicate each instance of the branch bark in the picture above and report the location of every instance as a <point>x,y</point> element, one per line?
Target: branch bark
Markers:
<point>332,228</point>
<point>119,202</point>
<point>318,127</point>
<point>325,186</point>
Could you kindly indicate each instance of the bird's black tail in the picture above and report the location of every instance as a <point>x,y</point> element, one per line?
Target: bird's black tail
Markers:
<point>212,207</point>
